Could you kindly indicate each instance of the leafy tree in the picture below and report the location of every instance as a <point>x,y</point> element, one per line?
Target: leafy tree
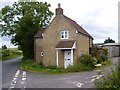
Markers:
<point>22,20</point>
<point>109,40</point>
<point>4,47</point>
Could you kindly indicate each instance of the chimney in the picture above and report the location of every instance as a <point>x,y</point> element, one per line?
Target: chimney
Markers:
<point>59,10</point>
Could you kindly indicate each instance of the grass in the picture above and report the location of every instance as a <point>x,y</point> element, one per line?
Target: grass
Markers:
<point>31,65</point>
<point>10,57</point>
<point>105,63</point>
<point>82,64</point>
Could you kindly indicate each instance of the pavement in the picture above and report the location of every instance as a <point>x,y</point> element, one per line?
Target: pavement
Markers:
<point>15,78</point>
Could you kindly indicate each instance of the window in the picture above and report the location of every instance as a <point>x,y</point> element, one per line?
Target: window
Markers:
<point>41,53</point>
<point>64,34</point>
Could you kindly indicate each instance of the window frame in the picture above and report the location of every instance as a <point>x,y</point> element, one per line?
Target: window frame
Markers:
<point>64,34</point>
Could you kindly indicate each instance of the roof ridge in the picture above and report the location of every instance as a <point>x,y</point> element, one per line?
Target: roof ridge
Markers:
<point>77,26</point>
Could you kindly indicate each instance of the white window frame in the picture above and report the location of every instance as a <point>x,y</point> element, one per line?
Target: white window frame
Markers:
<point>41,53</point>
<point>64,34</point>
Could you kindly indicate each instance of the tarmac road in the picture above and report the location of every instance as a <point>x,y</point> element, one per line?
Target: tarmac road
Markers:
<point>15,78</point>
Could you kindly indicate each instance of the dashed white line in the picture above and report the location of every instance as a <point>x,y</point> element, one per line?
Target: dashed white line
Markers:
<point>94,76</point>
<point>92,80</point>
<point>17,73</point>
<point>12,85</point>
<point>23,79</point>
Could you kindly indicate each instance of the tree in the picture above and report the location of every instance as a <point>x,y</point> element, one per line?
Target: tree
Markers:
<point>22,20</point>
<point>109,40</point>
<point>4,47</point>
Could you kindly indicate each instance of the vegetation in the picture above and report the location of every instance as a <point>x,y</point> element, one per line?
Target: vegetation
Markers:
<point>78,66</point>
<point>22,20</point>
<point>83,63</point>
<point>4,47</point>
<point>31,65</point>
<point>100,55</point>
<point>10,53</point>
<point>109,40</point>
<point>111,80</point>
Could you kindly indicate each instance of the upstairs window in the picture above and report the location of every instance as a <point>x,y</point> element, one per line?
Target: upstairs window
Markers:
<point>64,34</point>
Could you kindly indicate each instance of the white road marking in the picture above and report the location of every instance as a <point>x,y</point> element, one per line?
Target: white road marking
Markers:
<point>75,82</point>
<point>79,84</point>
<point>13,83</point>
<point>14,79</point>
<point>92,80</point>
<point>17,73</point>
<point>24,72</point>
<point>24,76</point>
<point>94,76</point>
<point>23,79</point>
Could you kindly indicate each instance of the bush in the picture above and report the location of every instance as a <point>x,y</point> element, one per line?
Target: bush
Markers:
<point>79,67</point>
<point>110,80</point>
<point>86,60</point>
<point>84,63</point>
<point>102,59</point>
<point>5,53</point>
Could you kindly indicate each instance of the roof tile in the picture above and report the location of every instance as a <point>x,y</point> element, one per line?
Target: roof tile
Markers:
<point>65,44</point>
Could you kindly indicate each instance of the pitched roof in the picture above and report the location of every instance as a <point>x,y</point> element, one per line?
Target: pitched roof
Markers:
<point>78,27</point>
<point>65,44</point>
<point>39,33</point>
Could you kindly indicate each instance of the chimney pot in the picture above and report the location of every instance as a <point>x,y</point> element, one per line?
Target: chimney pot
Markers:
<point>59,10</point>
<point>59,6</point>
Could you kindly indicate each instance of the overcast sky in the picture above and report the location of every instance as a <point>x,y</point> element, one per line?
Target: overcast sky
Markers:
<point>98,17</point>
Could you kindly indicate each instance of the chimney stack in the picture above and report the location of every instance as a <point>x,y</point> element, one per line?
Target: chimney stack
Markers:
<point>59,10</point>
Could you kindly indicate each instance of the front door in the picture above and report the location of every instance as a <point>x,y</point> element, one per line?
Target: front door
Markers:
<point>67,58</point>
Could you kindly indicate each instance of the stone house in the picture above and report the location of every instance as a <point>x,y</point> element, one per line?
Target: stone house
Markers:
<point>62,42</point>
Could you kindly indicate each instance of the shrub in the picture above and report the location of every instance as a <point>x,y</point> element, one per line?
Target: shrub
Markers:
<point>85,60</point>
<point>5,53</point>
<point>102,58</point>
<point>84,63</point>
<point>79,67</point>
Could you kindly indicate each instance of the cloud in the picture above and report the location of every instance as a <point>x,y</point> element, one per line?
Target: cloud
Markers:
<point>98,17</point>
<point>6,41</point>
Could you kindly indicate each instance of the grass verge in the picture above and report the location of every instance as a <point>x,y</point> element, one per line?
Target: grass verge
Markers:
<point>81,65</point>
<point>31,65</point>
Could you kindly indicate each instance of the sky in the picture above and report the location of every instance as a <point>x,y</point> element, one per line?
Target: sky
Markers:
<point>98,17</point>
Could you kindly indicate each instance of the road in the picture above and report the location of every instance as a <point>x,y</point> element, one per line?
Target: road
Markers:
<point>9,68</point>
<point>15,78</point>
